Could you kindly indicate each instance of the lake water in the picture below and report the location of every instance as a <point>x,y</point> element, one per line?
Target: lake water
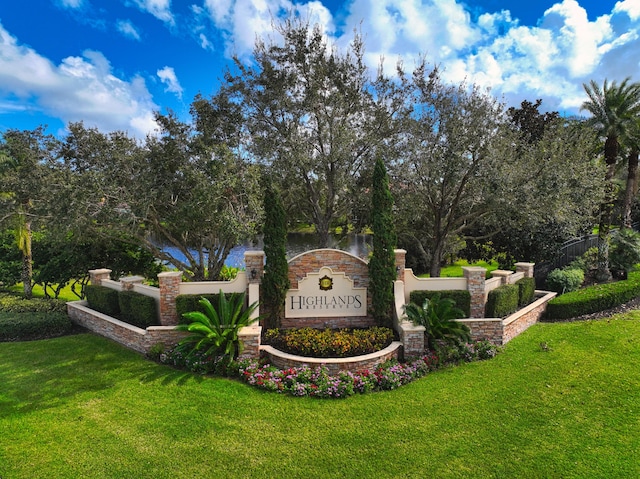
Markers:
<point>357,244</point>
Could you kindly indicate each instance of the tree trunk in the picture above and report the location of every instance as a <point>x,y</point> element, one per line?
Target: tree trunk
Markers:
<point>27,262</point>
<point>436,259</point>
<point>631,188</point>
<point>603,274</point>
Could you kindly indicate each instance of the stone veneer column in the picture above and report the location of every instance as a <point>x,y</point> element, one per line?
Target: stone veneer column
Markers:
<point>401,257</point>
<point>475,276</point>
<point>526,268</point>
<point>127,283</point>
<point>254,261</point>
<point>503,274</point>
<point>97,275</point>
<point>169,290</point>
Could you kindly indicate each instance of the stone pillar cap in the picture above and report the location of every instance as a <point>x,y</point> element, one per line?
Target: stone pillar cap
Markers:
<point>169,274</point>
<point>132,279</point>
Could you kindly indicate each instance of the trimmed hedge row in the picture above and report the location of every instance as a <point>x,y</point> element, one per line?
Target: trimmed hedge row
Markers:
<point>502,301</point>
<point>137,309</point>
<point>102,299</point>
<point>11,303</point>
<point>185,303</point>
<point>128,306</point>
<point>462,298</point>
<point>526,291</point>
<point>27,326</point>
<point>593,298</point>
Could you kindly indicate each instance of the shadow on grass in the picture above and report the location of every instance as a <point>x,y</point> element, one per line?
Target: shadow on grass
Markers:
<point>37,375</point>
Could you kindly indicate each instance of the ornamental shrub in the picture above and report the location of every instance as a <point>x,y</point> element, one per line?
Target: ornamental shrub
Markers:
<point>31,326</point>
<point>461,298</point>
<point>587,262</point>
<point>593,299</point>
<point>564,280</point>
<point>438,316</point>
<point>329,343</point>
<point>502,301</point>
<point>382,265</point>
<point>137,309</point>
<point>13,303</point>
<point>215,332</point>
<point>275,282</point>
<point>186,303</point>
<point>526,291</point>
<point>102,299</point>
<point>625,252</point>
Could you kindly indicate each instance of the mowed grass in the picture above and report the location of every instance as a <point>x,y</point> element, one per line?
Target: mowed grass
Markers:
<point>454,270</point>
<point>66,293</point>
<point>562,400</point>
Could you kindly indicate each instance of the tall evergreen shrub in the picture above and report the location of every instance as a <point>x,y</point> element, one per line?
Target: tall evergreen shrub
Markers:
<point>382,266</point>
<point>275,282</point>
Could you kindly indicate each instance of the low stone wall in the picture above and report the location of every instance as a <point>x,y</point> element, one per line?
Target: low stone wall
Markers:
<point>284,360</point>
<point>502,330</point>
<point>142,340</point>
<point>331,323</point>
<point>529,315</point>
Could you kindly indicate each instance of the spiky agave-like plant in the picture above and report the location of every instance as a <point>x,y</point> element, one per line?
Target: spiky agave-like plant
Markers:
<point>216,331</point>
<point>438,316</point>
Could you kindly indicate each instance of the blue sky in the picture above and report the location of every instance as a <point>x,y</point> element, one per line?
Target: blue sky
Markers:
<point>112,63</point>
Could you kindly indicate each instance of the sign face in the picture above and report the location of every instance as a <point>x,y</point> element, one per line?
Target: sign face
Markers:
<point>326,294</point>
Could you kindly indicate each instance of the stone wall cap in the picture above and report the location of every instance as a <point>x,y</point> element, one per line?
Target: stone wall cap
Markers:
<point>169,274</point>
<point>100,271</point>
<point>501,272</point>
<point>132,279</point>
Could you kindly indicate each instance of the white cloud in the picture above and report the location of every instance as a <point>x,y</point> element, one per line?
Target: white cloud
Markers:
<point>243,21</point>
<point>128,29</point>
<point>204,42</point>
<point>161,9</point>
<point>550,60</point>
<point>168,76</point>
<point>71,3</point>
<point>630,7</point>
<point>78,89</point>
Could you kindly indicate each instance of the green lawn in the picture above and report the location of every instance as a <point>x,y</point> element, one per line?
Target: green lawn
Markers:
<point>66,294</point>
<point>455,270</point>
<point>83,407</point>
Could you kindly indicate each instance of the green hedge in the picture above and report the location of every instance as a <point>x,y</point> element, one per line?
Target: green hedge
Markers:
<point>12,303</point>
<point>565,280</point>
<point>461,297</point>
<point>502,301</point>
<point>593,299</point>
<point>26,326</point>
<point>103,299</point>
<point>137,309</point>
<point>185,303</point>
<point>526,291</point>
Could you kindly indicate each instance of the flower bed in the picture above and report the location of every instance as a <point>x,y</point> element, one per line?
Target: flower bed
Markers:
<point>321,383</point>
<point>284,360</point>
<point>329,343</point>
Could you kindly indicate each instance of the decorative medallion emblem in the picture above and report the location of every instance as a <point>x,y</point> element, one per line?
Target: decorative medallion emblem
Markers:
<point>326,283</point>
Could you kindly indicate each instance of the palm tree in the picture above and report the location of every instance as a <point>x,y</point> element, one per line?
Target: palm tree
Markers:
<point>24,183</point>
<point>632,174</point>
<point>614,110</point>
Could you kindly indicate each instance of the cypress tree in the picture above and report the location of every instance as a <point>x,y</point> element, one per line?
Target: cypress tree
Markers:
<point>275,282</point>
<point>382,266</point>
